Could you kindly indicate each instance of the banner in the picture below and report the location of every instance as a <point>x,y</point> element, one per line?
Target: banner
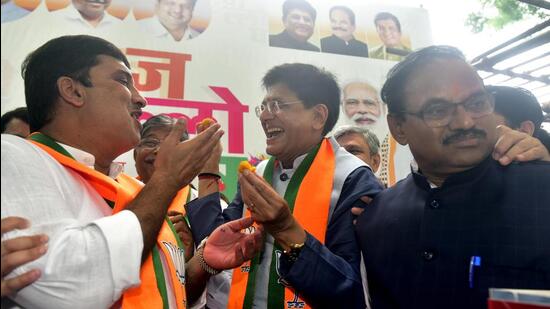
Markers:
<point>207,58</point>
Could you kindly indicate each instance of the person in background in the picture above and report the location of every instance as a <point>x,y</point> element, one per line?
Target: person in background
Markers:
<point>153,132</point>
<point>172,20</point>
<point>389,32</point>
<point>84,109</point>
<point>361,143</point>
<point>16,122</point>
<point>342,41</point>
<point>299,22</point>
<point>520,110</point>
<point>453,228</point>
<point>88,15</point>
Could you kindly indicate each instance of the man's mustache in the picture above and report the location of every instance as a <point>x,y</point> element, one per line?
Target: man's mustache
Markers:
<point>97,1</point>
<point>361,116</point>
<point>338,28</point>
<point>459,135</point>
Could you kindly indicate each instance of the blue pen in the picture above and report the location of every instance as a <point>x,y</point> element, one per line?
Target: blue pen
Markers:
<point>475,261</point>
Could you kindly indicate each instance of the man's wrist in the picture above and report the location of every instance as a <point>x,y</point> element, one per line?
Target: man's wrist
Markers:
<point>200,256</point>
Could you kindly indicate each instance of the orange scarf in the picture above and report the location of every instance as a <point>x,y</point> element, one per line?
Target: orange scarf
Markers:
<point>315,189</point>
<point>152,292</point>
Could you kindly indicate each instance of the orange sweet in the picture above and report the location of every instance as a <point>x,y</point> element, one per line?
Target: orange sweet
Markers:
<point>245,165</point>
<point>206,122</point>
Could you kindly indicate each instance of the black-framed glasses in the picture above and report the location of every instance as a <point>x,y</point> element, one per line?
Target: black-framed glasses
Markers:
<point>440,113</point>
<point>273,106</point>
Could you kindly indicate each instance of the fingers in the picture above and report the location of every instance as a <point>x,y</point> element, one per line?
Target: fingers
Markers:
<point>240,224</point>
<point>255,191</point>
<point>11,286</point>
<point>11,223</point>
<point>357,210</point>
<point>14,259</point>
<point>517,146</point>
<point>22,243</point>
<point>177,131</point>
<point>366,199</point>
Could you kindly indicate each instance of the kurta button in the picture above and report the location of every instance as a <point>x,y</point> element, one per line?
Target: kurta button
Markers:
<point>434,204</point>
<point>428,255</point>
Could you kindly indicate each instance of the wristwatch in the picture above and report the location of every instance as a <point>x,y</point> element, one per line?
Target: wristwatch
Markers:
<point>293,253</point>
<point>199,253</point>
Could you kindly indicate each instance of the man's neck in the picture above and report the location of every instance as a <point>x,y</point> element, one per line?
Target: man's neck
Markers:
<point>102,164</point>
<point>93,20</point>
<point>288,162</point>
<point>177,33</point>
<point>346,39</point>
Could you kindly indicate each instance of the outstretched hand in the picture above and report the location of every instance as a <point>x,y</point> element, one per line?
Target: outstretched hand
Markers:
<point>229,246</point>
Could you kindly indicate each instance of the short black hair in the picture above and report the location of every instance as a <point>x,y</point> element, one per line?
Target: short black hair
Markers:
<point>392,92</point>
<point>517,105</point>
<point>311,85</point>
<point>345,9</point>
<point>160,121</point>
<point>385,15</point>
<point>301,5</point>
<point>20,113</point>
<point>71,56</point>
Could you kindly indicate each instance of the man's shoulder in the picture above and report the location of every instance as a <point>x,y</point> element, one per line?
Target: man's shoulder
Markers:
<point>329,39</point>
<point>538,169</point>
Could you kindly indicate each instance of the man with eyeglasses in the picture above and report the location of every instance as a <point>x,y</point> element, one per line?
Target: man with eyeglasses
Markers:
<point>303,197</point>
<point>461,222</point>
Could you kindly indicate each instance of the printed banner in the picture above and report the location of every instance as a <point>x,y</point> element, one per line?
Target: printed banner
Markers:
<point>206,58</point>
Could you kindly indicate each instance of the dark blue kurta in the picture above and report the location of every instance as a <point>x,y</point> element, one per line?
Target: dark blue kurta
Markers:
<point>326,276</point>
<point>417,242</point>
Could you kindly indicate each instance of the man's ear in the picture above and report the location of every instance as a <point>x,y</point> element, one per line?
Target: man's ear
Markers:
<point>395,124</point>
<point>320,116</point>
<point>71,91</point>
<point>527,126</point>
<point>375,160</point>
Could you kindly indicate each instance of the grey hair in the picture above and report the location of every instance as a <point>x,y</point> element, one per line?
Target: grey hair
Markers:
<point>370,138</point>
<point>161,121</point>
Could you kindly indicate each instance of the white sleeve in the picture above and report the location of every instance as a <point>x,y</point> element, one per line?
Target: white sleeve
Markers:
<point>92,256</point>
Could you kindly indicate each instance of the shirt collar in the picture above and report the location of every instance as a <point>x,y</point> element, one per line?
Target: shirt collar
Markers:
<point>88,159</point>
<point>71,12</point>
<point>158,30</point>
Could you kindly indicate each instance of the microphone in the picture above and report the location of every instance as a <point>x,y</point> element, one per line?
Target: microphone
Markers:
<point>283,177</point>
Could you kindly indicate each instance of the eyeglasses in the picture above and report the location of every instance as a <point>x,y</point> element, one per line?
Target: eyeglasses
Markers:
<point>273,106</point>
<point>152,143</point>
<point>440,113</point>
<point>149,143</point>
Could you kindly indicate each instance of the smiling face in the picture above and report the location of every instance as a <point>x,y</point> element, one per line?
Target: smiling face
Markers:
<point>361,104</point>
<point>294,130</point>
<point>461,144</point>
<point>341,25</point>
<point>91,9</point>
<point>299,25</point>
<point>389,33</point>
<point>174,14</point>
<point>112,106</point>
